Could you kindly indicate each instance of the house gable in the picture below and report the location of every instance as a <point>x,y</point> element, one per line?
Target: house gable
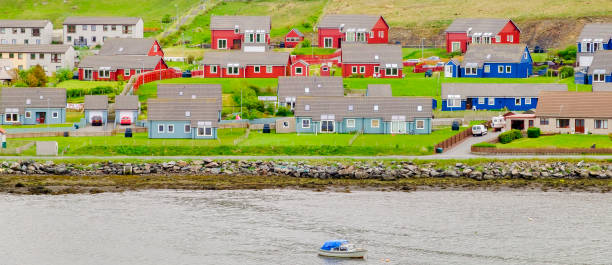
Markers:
<point>381,24</point>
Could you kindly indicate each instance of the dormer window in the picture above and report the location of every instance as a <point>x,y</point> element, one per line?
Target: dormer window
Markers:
<point>375,107</point>
<point>419,108</point>
<point>187,113</point>
<point>28,101</point>
<point>180,93</point>
<point>236,29</point>
<point>306,90</point>
<point>350,107</point>
<point>306,107</point>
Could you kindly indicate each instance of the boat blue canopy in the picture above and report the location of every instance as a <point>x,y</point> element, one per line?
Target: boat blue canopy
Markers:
<point>329,245</point>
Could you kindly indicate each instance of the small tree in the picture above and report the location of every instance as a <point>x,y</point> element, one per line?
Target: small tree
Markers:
<point>63,74</point>
<point>166,19</point>
<point>36,77</point>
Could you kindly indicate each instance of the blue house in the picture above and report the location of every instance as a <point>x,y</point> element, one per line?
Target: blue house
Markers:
<point>127,109</point>
<point>493,96</point>
<point>96,109</point>
<point>493,61</point>
<point>33,105</point>
<point>371,114</point>
<point>594,37</point>
<point>600,70</point>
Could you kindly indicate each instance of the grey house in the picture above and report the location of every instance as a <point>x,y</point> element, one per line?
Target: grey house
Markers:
<point>593,37</point>
<point>33,105</point>
<point>96,109</point>
<point>127,109</point>
<point>291,87</point>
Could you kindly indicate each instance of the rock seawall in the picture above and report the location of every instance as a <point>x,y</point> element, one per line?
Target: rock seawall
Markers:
<point>389,170</point>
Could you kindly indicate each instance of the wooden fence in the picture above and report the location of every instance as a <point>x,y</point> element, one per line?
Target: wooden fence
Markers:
<point>156,75</point>
<point>540,151</point>
<point>454,140</point>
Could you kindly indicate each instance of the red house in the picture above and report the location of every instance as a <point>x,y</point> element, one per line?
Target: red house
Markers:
<point>250,33</point>
<point>335,29</point>
<point>293,38</point>
<point>300,68</point>
<point>241,64</point>
<point>372,60</point>
<point>464,31</point>
<point>131,46</point>
<point>108,68</point>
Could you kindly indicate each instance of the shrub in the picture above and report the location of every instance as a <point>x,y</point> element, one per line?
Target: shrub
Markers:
<point>283,112</point>
<point>533,132</point>
<point>484,144</point>
<point>568,53</point>
<point>566,71</point>
<point>509,136</point>
<point>305,43</point>
<point>356,76</point>
<point>541,67</point>
<point>63,74</point>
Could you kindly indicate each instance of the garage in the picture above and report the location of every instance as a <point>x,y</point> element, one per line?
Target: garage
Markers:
<point>126,117</point>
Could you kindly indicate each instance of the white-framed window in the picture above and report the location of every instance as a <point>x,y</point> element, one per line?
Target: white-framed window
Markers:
<point>517,101</point>
<point>269,69</point>
<point>470,70</point>
<point>497,38</point>
<point>361,69</point>
<point>11,117</point>
<point>154,47</point>
<point>500,69</point>
<point>298,70</point>
<point>221,43</point>
<point>453,102</point>
<point>527,101</point>
<point>599,77</point>
<point>306,107</point>
<point>491,101</point>
<point>170,128</point>
<point>126,72</point>
<point>420,124</point>
<point>354,69</point>
<point>328,42</point>
<point>236,29</point>
<point>374,123</point>
<point>510,38</point>
<point>187,128</point>
<point>350,123</point>
<point>487,68</point>
<point>419,108</point>
<point>305,124</point>
<point>28,114</point>
<point>103,73</point>
<point>350,107</point>
<point>391,71</point>
<point>200,131</point>
<point>306,90</point>
<point>481,100</point>
<point>188,113</point>
<point>376,69</point>
<point>375,108</point>
<point>508,69</point>
<point>381,34</point>
<point>256,68</point>
<point>601,124</point>
<point>232,70</point>
<point>213,69</point>
<point>55,114</point>
<point>160,128</point>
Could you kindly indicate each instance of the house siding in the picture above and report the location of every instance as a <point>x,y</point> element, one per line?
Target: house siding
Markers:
<point>61,118</point>
<point>292,44</point>
<point>500,103</point>
<point>364,125</point>
<point>369,70</point>
<point>179,131</point>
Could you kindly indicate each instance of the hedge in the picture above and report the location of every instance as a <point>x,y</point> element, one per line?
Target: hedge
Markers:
<point>533,132</point>
<point>509,136</point>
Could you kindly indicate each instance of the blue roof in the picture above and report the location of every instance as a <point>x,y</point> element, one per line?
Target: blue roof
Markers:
<point>329,245</point>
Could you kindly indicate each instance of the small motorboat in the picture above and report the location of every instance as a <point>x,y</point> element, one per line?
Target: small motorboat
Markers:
<point>341,249</point>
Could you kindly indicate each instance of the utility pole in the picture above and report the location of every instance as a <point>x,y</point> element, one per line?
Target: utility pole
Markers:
<point>422,47</point>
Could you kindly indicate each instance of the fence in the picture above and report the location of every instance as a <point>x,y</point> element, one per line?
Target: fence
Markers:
<point>420,68</point>
<point>454,140</point>
<point>319,58</point>
<point>156,75</point>
<point>540,151</point>
<point>39,129</point>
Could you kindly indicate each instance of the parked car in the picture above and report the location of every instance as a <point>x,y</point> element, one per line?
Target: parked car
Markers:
<point>96,120</point>
<point>428,73</point>
<point>479,130</point>
<point>126,120</point>
<point>498,122</point>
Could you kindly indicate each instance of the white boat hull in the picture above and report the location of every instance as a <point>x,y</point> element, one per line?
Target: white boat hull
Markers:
<point>360,253</point>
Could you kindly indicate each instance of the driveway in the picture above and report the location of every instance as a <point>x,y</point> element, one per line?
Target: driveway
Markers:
<point>464,148</point>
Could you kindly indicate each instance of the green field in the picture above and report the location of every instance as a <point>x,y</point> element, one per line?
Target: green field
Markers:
<point>311,50</point>
<point>415,53</point>
<point>561,141</point>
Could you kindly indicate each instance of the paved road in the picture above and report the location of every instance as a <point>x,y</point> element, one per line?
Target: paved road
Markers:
<point>464,148</point>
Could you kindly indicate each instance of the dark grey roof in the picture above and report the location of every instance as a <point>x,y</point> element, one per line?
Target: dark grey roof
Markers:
<point>466,90</point>
<point>478,25</point>
<point>364,107</point>
<point>11,23</point>
<point>126,46</point>
<point>245,58</point>
<point>372,53</point>
<point>318,86</point>
<point>379,90</point>
<point>187,91</point>
<point>602,60</point>
<point>39,97</point>
<point>35,48</point>
<point>493,53</point>
<point>119,62</point>
<point>101,20</point>
<point>129,102</point>
<point>298,32</point>
<point>595,31</point>
<point>349,22</point>
<point>200,110</point>
<point>96,102</point>
<point>243,23</point>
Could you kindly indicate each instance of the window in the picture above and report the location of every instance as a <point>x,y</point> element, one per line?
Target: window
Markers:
<point>497,38</point>
<point>69,38</point>
<point>14,41</point>
<point>375,107</point>
<point>508,69</point>
<point>470,70</point>
<point>221,44</point>
<point>187,128</point>
<point>26,41</point>
<point>487,68</point>
<point>105,28</point>
<point>525,55</point>
<point>20,56</point>
<point>160,128</point>
<point>93,39</point>
<point>328,43</point>
<point>350,123</point>
<point>354,69</point>
<point>126,72</point>
<point>37,41</point>
<point>213,69</point>
<point>84,27</point>
<point>256,68</point>
<point>371,34</point>
<point>563,123</point>
<point>137,71</point>
<point>232,70</point>
<point>103,73</point>
<point>599,77</point>
<point>420,124</point>
<point>22,30</point>
<point>481,100</point>
<point>269,69</point>
<point>543,121</point>
<point>306,90</point>
<point>531,123</point>
<point>11,117</point>
<point>381,34</point>
<point>154,48</point>
<point>298,70</point>
<point>2,31</point>
<point>11,55</point>
<point>500,69</point>
<point>350,107</point>
<point>93,27</point>
<point>33,56</point>
<point>361,69</point>
<point>306,107</point>
<point>361,36</point>
<point>188,113</point>
<point>510,38</point>
<point>207,131</point>
<point>350,36</point>
<point>527,101</point>
<point>305,124</point>
<point>517,101</point>
<point>375,123</point>
<point>391,71</point>
<point>601,124</point>
<point>170,128</point>
<point>28,114</point>
<point>55,114</point>
<point>419,108</point>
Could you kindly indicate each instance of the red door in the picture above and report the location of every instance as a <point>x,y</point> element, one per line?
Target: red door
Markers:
<point>579,126</point>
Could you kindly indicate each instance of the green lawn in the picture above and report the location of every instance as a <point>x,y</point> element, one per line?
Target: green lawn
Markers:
<point>415,53</point>
<point>561,141</point>
<point>539,57</point>
<point>183,66</point>
<point>312,50</point>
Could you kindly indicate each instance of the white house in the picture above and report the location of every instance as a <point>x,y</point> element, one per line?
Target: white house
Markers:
<point>25,31</point>
<point>92,31</point>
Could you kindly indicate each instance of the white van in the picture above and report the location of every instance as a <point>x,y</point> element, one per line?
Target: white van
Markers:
<point>498,123</point>
<point>479,130</point>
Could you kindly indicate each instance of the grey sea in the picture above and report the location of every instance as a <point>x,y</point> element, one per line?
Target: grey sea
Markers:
<point>288,226</point>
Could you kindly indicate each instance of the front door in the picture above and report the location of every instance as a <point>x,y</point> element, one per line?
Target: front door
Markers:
<point>87,74</point>
<point>468,103</point>
<point>448,71</point>
<point>339,43</point>
<point>398,127</point>
<point>236,44</point>
<point>579,126</point>
<point>40,117</point>
<point>327,126</point>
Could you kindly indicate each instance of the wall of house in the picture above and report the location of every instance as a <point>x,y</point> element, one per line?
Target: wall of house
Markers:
<point>292,44</point>
<point>46,35</point>
<point>179,131</point>
<point>380,26</point>
<point>305,69</point>
<point>460,37</point>
<point>589,126</point>
<point>104,116</point>
<point>61,115</point>
<point>335,34</point>
<point>100,34</point>
<point>229,35</point>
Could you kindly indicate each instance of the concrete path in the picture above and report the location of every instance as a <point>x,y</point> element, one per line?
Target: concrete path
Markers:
<point>464,148</point>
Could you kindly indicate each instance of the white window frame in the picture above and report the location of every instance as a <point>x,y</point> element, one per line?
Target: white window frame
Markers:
<point>381,34</point>
<point>55,115</point>
<point>603,124</point>
<point>500,69</point>
<point>28,114</point>
<point>450,102</point>
<point>487,68</point>
<point>517,101</point>
<point>481,100</point>
<point>206,130</point>
<point>256,69</point>
<point>362,69</point>
<point>417,124</point>
<point>229,72</point>
<point>453,46</point>
<point>348,123</point>
<point>307,121</point>
<point>510,38</point>
<point>161,128</point>
<point>198,131</point>
<point>170,128</point>
<point>213,69</point>
<point>269,69</point>
<point>353,69</point>
<point>598,78</point>
<point>491,101</point>
<point>391,71</point>
<point>306,90</point>
<point>13,114</point>
<point>307,107</point>
<point>126,72</point>
<point>100,75</point>
<point>350,107</point>
<point>219,44</point>
<point>528,101</point>
<point>372,123</point>
<point>471,71</point>
<point>331,42</point>
<point>508,69</point>
<point>187,128</point>
<point>137,71</point>
<point>301,72</point>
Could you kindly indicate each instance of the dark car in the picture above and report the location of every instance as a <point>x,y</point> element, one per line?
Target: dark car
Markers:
<point>428,73</point>
<point>96,120</point>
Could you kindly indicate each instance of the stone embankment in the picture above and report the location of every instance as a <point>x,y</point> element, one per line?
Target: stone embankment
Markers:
<point>389,170</point>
